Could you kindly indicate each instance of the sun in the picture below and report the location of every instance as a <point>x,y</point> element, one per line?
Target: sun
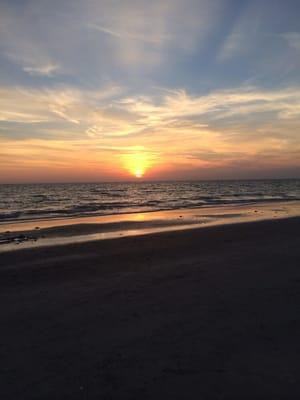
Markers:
<point>138,173</point>
<point>137,164</point>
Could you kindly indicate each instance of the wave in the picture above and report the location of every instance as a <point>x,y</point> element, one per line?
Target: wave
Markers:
<point>86,210</point>
<point>58,201</point>
<point>10,215</point>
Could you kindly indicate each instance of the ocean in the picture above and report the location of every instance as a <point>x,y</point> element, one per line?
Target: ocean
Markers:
<point>45,201</point>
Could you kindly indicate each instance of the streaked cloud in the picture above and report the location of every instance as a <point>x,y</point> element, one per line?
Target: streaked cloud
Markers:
<point>43,70</point>
<point>106,111</point>
<point>153,39</point>
<point>293,39</point>
<point>196,131</point>
<point>40,37</point>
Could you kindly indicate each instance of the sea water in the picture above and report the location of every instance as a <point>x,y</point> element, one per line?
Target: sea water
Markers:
<point>37,201</point>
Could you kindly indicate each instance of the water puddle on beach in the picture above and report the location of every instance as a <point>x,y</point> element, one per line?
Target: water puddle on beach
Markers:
<point>59,241</point>
<point>26,234</point>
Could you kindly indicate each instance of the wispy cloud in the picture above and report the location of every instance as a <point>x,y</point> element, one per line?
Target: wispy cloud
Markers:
<point>158,39</point>
<point>232,45</point>
<point>23,105</point>
<point>227,124</point>
<point>109,111</point>
<point>131,34</point>
<point>43,70</point>
<point>254,39</point>
<point>293,39</point>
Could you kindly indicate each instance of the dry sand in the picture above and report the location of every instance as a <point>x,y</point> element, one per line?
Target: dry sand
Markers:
<point>209,313</point>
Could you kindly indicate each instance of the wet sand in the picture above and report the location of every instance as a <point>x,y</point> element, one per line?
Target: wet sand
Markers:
<point>211,313</point>
<point>53,232</point>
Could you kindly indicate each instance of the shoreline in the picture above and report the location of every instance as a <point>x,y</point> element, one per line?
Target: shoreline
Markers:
<point>52,232</point>
<point>96,215</point>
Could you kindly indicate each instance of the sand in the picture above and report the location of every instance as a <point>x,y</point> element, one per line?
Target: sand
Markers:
<point>55,232</point>
<point>211,313</point>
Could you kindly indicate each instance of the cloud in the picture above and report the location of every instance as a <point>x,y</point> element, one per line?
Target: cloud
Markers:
<point>23,42</point>
<point>107,112</point>
<point>293,39</point>
<point>41,106</point>
<point>253,39</point>
<point>214,130</point>
<point>157,39</point>
<point>102,130</point>
<point>217,129</point>
<point>232,45</point>
<point>46,39</point>
<point>48,70</point>
<point>180,110</point>
<point>243,33</point>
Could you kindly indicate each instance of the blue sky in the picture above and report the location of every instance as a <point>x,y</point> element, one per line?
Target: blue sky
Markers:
<point>202,89</point>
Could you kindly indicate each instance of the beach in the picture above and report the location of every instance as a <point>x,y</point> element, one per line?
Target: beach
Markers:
<point>20,234</point>
<point>149,200</point>
<point>205,313</point>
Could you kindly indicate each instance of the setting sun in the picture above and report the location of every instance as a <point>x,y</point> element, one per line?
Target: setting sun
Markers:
<point>138,173</point>
<point>138,163</point>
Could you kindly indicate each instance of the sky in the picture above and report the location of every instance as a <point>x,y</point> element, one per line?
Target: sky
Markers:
<point>135,89</point>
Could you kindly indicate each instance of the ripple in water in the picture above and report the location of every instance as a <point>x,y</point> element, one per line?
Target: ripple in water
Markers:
<point>24,202</point>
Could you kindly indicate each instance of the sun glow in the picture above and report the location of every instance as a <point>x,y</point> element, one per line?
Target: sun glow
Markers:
<point>137,163</point>
<point>138,173</point>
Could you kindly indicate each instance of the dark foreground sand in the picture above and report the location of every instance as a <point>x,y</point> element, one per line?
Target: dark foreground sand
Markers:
<point>212,313</point>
